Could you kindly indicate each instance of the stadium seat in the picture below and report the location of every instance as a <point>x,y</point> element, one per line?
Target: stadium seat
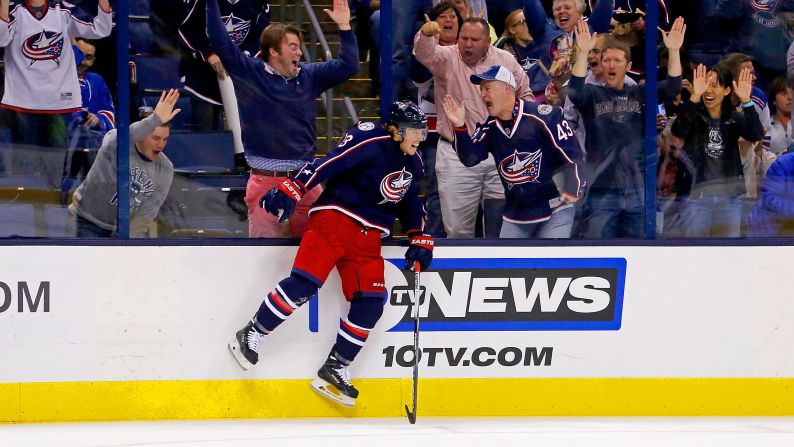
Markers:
<point>17,220</point>
<point>156,73</point>
<point>190,206</point>
<point>139,8</point>
<point>196,181</point>
<point>24,182</point>
<point>182,120</point>
<point>201,152</point>
<point>141,36</point>
<point>56,217</point>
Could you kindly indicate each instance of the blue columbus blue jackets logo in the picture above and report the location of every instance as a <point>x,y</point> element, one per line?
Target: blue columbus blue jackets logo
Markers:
<point>394,186</point>
<point>44,46</point>
<point>237,28</point>
<point>521,167</point>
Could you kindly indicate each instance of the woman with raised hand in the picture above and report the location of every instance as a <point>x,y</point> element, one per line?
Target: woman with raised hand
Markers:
<point>711,127</point>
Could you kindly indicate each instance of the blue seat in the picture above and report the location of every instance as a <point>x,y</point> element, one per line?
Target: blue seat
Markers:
<point>24,182</point>
<point>17,220</point>
<point>56,217</point>
<point>182,120</point>
<point>141,37</point>
<point>156,73</point>
<point>198,181</point>
<point>201,152</point>
<point>139,8</point>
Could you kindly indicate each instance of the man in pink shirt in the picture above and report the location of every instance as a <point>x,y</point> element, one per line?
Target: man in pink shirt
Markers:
<point>462,189</point>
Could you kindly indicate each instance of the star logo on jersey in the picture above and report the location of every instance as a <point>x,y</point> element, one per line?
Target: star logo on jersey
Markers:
<point>394,186</point>
<point>307,170</point>
<point>44,46</point>
<point>237,28</point>
<point>521,167</point>
<point>764,5</point>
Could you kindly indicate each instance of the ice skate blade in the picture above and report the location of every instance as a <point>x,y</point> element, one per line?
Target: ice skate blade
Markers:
<point>330,392</point>
<point>234,347</point>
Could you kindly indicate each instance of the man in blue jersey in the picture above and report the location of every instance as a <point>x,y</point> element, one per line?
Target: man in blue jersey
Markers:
<point>276,96</point>
<point>530,143</point>
<point>87,127</point>
<point>372,177</point>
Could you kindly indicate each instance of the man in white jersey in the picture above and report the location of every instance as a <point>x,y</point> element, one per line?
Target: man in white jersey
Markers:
<point>41,84</point>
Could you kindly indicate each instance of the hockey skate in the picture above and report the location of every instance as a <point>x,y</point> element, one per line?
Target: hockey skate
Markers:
<point>245,346</point>
<point>333,382</point>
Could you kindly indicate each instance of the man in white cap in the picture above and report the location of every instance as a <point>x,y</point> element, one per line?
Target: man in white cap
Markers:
<point>530,143</point>
<point>462,189</point>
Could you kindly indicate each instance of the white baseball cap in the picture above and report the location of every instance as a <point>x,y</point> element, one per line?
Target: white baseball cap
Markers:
<point>495,73</point>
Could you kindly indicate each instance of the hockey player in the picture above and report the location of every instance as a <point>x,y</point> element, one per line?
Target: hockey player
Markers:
<point>41,83</point>
<point>530,142</point>
<point>372,177</point>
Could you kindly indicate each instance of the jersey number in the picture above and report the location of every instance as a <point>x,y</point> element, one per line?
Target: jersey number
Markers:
<point>564,131</point>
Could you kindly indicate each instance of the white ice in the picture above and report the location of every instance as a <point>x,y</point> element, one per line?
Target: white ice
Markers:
<point>435,432</point>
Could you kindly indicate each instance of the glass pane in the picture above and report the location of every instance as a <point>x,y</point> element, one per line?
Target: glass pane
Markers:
<point>722,170</point>
<point>578,140</point>
<point>56,108</point>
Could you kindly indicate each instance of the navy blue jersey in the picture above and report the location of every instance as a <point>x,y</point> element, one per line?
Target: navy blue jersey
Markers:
<point>368,178</point>
<point>528,152</point>
<point>244,21</point>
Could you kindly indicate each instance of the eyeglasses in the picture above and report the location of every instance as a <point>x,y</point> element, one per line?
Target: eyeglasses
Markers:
<point>520,23</point>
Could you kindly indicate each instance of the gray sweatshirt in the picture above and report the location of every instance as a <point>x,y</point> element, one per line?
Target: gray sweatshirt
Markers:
<point>95,199</point>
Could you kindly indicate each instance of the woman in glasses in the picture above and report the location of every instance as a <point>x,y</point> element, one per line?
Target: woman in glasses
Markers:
<point>517,40</point>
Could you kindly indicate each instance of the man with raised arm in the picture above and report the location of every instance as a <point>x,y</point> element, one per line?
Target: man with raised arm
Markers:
<point>613,116</point>
<point>95,202</point>
<point>530,143</point>
<point>276,97</point>
<point>41,86</point>
<point>462,189</point>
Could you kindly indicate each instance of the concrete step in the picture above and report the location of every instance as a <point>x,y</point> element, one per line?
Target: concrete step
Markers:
<point>362,106</point>
<point>317,49</point>
<point>357,87</point>
<point>291,11</point>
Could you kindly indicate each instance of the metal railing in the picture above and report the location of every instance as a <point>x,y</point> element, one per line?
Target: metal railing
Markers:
<point>316,38</point>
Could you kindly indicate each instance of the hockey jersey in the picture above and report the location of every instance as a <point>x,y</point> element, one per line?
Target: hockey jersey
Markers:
<point>369,179</point>
<point>41,75</point>
<point>244,21</point>
<point>539,144</point>
<point>97,100</point>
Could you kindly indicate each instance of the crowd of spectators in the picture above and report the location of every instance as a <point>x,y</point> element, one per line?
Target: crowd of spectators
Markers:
<point>723,109</point>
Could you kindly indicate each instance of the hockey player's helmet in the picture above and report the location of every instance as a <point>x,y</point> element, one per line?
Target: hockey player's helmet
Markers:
<point>406,114</point>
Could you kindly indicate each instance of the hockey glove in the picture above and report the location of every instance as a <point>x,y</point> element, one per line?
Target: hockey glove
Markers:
<point>281,201</point>
<point>421,249</point>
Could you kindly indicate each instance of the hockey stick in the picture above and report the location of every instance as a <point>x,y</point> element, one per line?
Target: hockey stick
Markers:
<point>412,413</point>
